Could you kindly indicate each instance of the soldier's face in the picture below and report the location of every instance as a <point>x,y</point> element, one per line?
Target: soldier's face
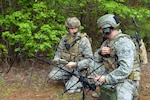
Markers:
<point>73,31</point>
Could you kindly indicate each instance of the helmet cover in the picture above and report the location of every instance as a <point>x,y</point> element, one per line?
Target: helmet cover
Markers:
<point>72,22</point>
<point>108,20</point>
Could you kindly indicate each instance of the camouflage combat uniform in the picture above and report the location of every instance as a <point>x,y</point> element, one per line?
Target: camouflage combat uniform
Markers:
<point>80,52</point>
<point>118,67</point>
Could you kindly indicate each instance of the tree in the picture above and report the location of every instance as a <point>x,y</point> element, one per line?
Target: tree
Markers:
<point>37,25</point>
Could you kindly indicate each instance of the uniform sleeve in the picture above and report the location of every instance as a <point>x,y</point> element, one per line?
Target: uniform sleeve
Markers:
<point>97,54</point>
<point>86,51</point>
<point>125,51</point>
<point>97,66</point>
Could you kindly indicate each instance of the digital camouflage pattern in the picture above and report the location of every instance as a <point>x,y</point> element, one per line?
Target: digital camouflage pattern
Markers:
<point>121,64</point>
<point>80,52</point>
<point>108,20</point>
<point>72,22</point>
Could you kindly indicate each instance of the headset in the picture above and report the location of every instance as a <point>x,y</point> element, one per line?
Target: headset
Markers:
<point>108,30</point>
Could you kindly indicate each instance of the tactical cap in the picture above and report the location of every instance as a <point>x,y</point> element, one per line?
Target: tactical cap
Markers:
<point>72,22</point>
<point>108,20</point>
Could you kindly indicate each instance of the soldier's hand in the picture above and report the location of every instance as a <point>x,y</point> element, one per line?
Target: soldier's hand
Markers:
<point>105,51</point>
<point>71,65</point>
<point>101,79</point>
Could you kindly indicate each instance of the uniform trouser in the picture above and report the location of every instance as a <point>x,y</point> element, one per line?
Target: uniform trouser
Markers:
<point>128,90</point>
<point>72,81</point>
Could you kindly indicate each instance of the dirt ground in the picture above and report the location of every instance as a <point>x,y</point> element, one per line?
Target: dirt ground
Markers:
<point>28,81</point>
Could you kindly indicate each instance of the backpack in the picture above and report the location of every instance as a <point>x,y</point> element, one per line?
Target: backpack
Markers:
<point>140,50</point>
<point>139,45</point>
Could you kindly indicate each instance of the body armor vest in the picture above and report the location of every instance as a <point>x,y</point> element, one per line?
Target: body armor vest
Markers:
<point>71,51</point>
<point>111,61</point>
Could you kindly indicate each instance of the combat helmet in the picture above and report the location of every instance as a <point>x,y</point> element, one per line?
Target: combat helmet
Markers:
<point>72,22</point>
<point>108,20</point>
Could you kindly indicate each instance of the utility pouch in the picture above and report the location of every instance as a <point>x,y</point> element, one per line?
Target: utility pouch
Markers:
<point>108,92</point>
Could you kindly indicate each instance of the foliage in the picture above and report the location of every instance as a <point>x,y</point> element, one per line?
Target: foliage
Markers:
<point>35,29</point>
<point>38,25</point>
<point>126,10</point>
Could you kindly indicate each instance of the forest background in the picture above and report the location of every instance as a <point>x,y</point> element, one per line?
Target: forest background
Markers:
<point>31,29</point>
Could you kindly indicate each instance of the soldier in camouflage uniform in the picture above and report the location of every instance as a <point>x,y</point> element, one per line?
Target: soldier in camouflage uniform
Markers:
<point>115,61</point>
<point>76,49</point>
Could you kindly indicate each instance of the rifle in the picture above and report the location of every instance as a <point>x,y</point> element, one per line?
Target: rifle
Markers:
<point>141,46</point>
<point>137,35</point>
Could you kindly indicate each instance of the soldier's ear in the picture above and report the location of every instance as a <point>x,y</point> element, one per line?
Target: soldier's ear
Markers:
<point>67,28</point>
